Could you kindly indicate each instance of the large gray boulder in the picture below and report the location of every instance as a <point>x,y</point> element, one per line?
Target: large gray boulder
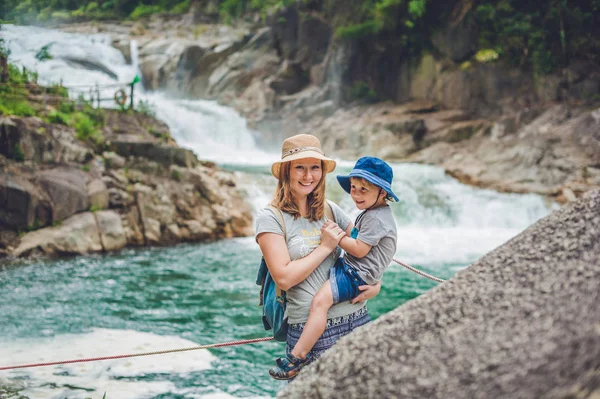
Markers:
<point>76,235</point>
<point>22,205</point>
<point>522,322</point>
<point>66,186</point>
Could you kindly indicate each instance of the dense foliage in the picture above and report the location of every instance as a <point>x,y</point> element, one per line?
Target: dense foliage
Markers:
<point>542,35</point>
<point>545,35</point>
<point>40,11</point>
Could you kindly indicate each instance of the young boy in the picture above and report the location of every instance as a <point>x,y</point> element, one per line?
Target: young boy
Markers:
<point>369,250</point>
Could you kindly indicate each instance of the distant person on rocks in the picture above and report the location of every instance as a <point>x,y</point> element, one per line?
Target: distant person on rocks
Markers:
<point>369,249</point>
<point>300,253</point>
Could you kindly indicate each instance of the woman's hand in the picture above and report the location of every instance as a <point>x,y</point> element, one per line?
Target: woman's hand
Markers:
<point>331,234</point>
<point>368,292</point>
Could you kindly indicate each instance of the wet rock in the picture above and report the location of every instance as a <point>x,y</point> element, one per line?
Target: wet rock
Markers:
<point>124,46</point>
<point>91,64</point>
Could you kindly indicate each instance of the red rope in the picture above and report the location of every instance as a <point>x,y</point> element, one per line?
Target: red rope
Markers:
<point>92,359</point>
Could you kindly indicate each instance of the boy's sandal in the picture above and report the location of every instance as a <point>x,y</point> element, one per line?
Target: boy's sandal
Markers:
<point>288,367</point>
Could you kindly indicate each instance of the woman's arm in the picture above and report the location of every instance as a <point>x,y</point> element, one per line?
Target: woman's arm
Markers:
<point>288,273</point>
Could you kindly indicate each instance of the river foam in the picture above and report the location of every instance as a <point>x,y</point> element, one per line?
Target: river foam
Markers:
<point>119,378</point>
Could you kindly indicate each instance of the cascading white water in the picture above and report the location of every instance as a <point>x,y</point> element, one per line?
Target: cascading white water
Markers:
<point>213,132</point>
<point>441,224</point>
<point>135,55</point>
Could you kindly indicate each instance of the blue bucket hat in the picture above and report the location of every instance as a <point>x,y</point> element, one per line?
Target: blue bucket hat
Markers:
<point>373,170</point>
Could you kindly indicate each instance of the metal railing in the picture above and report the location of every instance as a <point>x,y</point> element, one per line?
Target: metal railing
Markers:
<point>94,94</point>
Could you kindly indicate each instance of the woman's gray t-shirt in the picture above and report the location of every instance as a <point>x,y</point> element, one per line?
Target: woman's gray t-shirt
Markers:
<point>302,237</point>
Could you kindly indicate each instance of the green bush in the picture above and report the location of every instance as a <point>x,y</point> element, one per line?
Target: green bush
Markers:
<point>146,108</point>
<point>19,76</point>
<point>85,128</point>
<point>44,53</point>
<point>17,107</point>
<point>67,107</point>
<point>357,31</point>
<point>58,117</point>
<point>486,55</point>
<point>43,16</point>
<point>143,10</point>
<point>79,13</point>
<point>61,16</point>
<point>181,8</point>
<point>91,7</point>
<point>96,115</point>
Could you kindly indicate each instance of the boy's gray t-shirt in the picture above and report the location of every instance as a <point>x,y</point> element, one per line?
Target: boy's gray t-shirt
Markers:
<point>302,237</point>
<point>376,228</point>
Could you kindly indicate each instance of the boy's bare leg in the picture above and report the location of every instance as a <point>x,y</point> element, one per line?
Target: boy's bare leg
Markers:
<point>317,321</point>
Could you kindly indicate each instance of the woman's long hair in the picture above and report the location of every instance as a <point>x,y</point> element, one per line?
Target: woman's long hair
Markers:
<point>284,200</point>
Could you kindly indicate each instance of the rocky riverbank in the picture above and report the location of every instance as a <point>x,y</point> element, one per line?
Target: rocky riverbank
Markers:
<point>485,123</point>
<point>63,196</point>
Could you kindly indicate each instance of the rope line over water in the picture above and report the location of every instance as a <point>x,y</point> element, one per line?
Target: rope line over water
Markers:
<point>217,345</point>
<point>93,359</point>
<point>419,272</point>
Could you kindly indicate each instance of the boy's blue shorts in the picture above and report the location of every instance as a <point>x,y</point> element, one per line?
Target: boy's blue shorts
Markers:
<point>345,281</point>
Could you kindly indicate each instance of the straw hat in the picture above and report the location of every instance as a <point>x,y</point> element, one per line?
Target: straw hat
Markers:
<point>302,146</point>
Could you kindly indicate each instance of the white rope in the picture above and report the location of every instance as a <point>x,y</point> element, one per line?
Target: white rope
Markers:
<point>422,273</point>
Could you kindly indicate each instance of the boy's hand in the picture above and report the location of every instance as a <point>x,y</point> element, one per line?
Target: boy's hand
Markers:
<point>368,292</point>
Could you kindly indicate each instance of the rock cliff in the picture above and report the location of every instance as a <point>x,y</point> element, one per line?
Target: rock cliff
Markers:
<point>522,322</point>
<point>60,195</point>
<point>488,124</point>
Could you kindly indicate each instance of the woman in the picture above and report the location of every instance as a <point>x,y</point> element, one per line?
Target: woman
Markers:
<point>300,262</point>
